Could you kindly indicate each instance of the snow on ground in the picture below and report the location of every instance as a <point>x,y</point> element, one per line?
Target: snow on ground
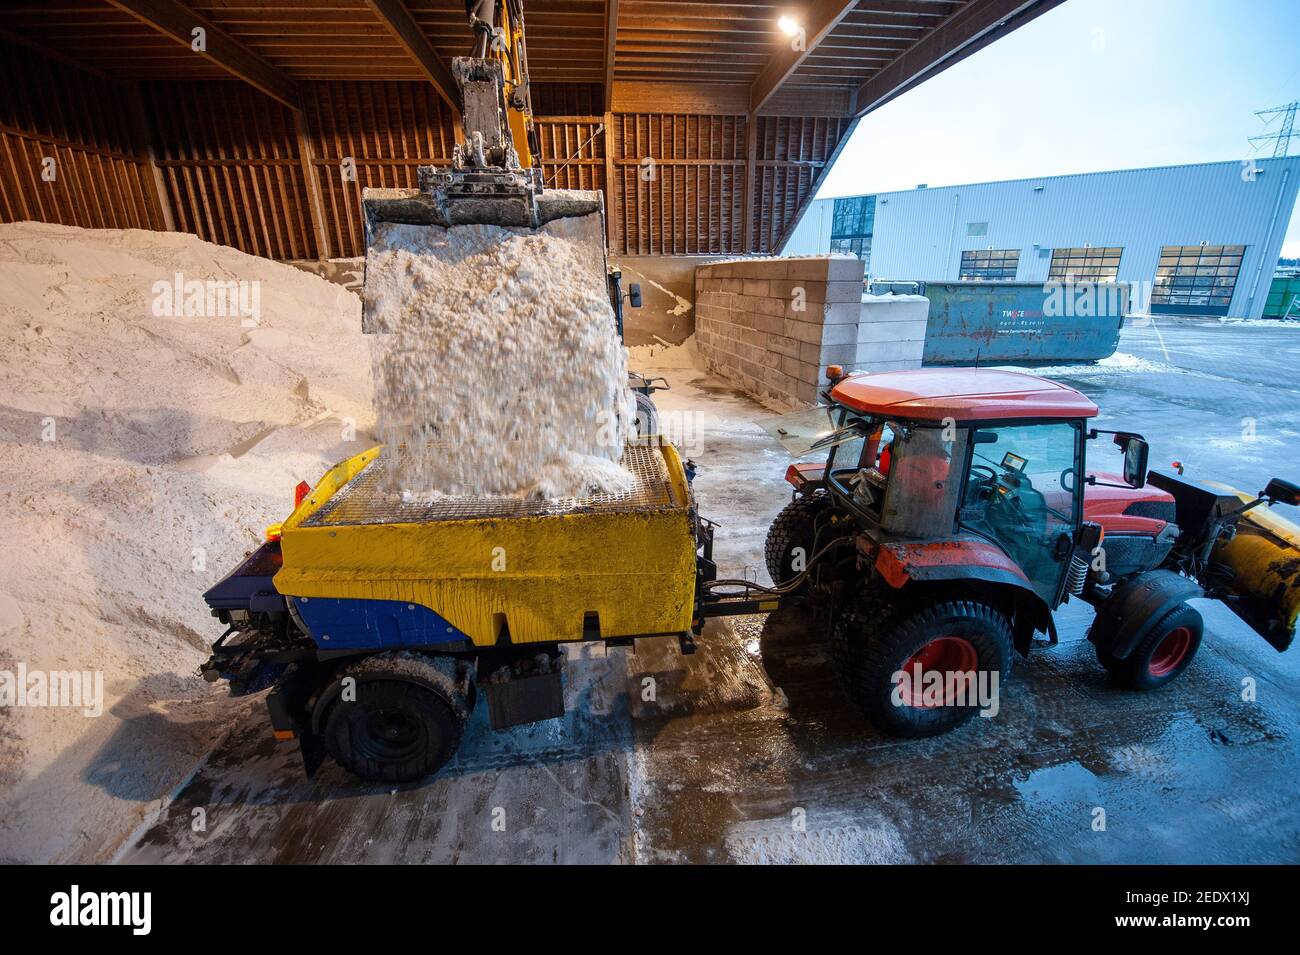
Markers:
<point>144,450</point>
<point>1116,364</point>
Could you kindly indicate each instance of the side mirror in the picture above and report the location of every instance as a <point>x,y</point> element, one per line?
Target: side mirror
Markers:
<point>634,294</point>
<point>1283,491</point>
<point>1135,458</point>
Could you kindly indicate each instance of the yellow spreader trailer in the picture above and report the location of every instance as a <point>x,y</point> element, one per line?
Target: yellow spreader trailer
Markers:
<point>459,593</point>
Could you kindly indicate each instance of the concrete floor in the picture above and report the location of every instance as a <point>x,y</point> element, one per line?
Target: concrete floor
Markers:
<point>749,752</point>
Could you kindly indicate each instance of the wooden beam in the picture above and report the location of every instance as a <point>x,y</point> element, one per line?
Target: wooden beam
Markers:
<point>55,55</point>
<point>394,15</point>
<point>158,197</point>
<point>611,44</point>
<point>779,246</point>
<point>177,21</point>
<point>822,17</point>
<point>613,223</point>
<point>310,175</point>
<point>973,27</point>
<point>751,152</point>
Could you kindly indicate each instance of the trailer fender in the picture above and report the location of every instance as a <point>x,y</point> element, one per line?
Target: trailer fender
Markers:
<point>450,678</point>
<point>1136,606</point>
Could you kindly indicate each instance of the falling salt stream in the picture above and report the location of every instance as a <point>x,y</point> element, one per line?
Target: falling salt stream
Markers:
<point>496,362</point>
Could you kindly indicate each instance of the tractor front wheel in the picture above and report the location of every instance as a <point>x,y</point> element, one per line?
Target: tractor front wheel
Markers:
<point>1162,654</point>
<point>925,671</point>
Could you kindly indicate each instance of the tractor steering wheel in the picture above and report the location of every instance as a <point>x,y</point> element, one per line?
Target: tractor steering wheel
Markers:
<point>988,480</point>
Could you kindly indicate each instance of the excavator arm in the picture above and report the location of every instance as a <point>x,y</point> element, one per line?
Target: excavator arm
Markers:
<point>495,176</point>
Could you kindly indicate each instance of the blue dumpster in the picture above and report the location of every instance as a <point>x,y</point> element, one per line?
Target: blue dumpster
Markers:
<point>1027,323</point>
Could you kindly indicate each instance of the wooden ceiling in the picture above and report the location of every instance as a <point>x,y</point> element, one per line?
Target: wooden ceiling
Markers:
<point>732,48</point>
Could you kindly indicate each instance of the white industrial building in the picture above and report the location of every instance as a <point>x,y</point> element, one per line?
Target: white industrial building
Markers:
<point>1193,240</point>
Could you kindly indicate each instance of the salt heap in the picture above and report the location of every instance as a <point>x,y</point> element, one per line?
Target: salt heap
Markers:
<point>496,361</point>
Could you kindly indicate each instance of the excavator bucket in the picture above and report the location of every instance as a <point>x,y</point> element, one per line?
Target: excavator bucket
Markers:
<point>485,184</point>
<point>578,216</point>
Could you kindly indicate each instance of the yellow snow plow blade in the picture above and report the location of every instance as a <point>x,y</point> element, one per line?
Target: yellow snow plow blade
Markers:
<point>1264,557</point>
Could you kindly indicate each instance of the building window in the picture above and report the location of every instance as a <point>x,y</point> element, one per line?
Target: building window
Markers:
<point>1196,279</point>
<point>986,265</point>
<point>1085,265</point>
<point>861,247</point>
<point>853,221</point>
<point>977,228</point>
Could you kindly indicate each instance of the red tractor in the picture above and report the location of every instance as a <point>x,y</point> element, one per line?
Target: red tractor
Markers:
<point>956,511</point>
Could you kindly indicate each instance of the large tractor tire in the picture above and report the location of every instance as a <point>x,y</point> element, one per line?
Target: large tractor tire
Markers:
<point>791,537</point>
<point>405,721</point>
<point>1162,654</point>
<point>876,640</point>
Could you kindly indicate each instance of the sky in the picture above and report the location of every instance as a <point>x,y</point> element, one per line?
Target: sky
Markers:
<point>1091,85</point>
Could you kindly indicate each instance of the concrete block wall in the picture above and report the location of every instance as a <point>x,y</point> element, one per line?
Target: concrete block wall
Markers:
<point>891,333</point>
<point>772,325</point>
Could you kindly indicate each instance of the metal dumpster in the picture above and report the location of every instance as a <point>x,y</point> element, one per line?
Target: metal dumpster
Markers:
<point>1025,323</point>
<point>1283,297</point>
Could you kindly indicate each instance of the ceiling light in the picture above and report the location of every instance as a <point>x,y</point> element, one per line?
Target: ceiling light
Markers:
<point>789,26</point>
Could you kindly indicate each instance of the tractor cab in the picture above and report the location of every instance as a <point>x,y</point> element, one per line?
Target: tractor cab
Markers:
<point>946,469</point>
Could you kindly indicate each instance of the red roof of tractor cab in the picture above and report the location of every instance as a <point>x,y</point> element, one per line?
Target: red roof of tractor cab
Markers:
<point>964,394</point>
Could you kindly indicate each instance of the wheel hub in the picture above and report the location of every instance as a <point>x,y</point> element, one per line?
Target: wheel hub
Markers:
<point>943,655</point>
<point>1170,651</point>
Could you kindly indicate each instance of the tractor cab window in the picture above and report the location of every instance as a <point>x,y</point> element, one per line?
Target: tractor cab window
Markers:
<point>1021,492</point>
<point>859,466</point>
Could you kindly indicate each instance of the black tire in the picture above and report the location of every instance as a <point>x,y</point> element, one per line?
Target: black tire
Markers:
<point>647,415</point>
<point>394,731</point>
<point>873,642</point>
<point>794,527</point>
<point>1162,655</point>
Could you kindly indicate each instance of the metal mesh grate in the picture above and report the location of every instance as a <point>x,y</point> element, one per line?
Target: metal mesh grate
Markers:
<point>363,500</point>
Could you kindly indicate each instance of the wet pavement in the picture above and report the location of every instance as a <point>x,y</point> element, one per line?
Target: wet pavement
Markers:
<point>748,752</point>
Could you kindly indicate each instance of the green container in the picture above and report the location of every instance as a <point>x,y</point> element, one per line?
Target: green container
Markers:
<point>1282,297</point>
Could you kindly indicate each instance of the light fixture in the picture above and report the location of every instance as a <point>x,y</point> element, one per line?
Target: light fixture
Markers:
<point>789,26</point>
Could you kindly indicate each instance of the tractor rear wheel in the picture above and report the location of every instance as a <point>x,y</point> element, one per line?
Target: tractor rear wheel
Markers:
<point>924,670</point>
<point>1162,654</point>
<point>791,537</point>
<point>403,722</point>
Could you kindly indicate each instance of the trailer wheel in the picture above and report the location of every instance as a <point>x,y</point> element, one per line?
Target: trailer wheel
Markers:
<point>793,528</point>
<point>395,729</point>
<point>954,637</point>
<point>647,415</point>
<point>1162,654</point>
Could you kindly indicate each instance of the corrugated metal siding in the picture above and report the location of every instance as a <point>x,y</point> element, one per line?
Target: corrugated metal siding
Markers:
<point>921,233</point>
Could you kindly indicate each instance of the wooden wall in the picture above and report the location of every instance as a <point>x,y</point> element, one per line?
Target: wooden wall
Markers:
<point>230,161</point>
<point>229,164</point>
<point>790,153</point>
<point>90,129</point>
<point>680,183</point>
<point>387,130</point>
